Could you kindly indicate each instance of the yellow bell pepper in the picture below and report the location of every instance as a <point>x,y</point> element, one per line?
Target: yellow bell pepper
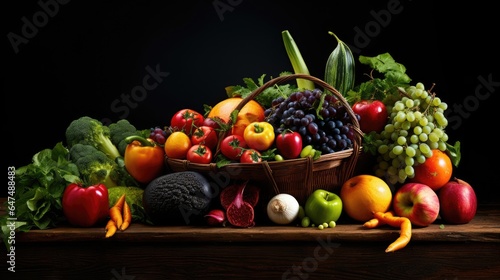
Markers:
<point>259,135</point>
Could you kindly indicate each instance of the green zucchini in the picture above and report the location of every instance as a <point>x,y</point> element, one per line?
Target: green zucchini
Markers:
<point>339,70</point>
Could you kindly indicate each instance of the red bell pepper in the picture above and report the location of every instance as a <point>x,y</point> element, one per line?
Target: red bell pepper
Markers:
<point>85,206</point>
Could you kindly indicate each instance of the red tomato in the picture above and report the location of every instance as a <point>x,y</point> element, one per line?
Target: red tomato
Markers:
<point>435,172</point>
<point>199,154</point>
<point>250,156</point>
<point>205,135</point>
<point>231,146</point>
<point>186,120</point>
<point>289,144</point>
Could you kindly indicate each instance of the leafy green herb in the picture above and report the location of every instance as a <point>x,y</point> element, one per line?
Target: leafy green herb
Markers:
<point>454,152</point>
<point>39,189</point>
<point>383,88</point>
<point>268,155</point>
<point>221,160</point>
<point>266,97</point>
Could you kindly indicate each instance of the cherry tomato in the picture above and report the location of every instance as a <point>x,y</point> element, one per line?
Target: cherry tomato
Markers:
<point>232,145</point>
<point>205,135</point>
<point>289,144</point>
<point>186,120</point>
<point>199,153</point>
<point>250,156</point>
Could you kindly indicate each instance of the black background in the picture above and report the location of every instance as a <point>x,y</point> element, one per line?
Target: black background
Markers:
<point>86,55</point>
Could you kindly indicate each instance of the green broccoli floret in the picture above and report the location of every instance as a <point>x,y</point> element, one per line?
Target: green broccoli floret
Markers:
<point>119,131</point>
<point>95,167</point>
<point>89,131</point>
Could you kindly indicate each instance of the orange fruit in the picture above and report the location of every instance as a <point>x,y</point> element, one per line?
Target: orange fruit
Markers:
<point>251,112</point>
<point>177,145</point>
<point>363,195</point>
<point>435,172</point>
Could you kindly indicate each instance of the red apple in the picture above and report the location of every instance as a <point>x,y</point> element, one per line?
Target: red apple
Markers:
<point>458,202</point>
<point>417,202</point>
<point>373,115</point>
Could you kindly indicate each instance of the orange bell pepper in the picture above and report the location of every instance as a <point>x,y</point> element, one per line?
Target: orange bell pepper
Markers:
<point>144,159</point>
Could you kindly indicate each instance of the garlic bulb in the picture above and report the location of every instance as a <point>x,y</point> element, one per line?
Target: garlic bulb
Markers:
<point>283,209</point>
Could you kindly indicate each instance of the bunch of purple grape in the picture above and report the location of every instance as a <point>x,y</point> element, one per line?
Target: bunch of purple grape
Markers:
<point>158,134</point>
<point>321,119</point>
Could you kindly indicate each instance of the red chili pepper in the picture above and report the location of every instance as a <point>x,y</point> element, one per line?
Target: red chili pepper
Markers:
<point>85,206</point>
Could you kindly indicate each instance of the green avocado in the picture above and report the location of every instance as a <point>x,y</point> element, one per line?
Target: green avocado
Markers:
<point>180,198</point>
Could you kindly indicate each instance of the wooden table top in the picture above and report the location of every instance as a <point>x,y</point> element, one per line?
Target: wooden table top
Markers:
<point>485,227</point>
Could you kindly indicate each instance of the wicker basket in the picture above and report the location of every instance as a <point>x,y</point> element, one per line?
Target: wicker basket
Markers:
<point>298,177</point>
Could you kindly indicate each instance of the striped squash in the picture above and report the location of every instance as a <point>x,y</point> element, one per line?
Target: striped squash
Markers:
<point>339,70</point>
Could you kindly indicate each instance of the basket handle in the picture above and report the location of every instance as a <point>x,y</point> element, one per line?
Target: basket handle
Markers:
<point>317,81</point>
<point>269,174</point>
<point>358,134</point>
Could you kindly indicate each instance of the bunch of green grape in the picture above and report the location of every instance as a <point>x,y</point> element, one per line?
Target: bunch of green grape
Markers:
<point>416,126</point>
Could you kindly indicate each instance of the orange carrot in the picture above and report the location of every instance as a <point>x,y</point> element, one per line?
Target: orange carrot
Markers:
<point>120,201</point>
<point>373,223</point>
<point>116,215</point>
<point>110,228</point>
<point>115,212</point>
<point>405,229</point>
<point>127,216</point>
<point>404,237</point>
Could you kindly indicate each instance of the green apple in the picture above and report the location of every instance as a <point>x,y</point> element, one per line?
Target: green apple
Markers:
<point>323,206</point>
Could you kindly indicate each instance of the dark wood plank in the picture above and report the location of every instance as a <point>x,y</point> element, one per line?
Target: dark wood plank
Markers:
<point>347,251</point>
<point>276,260</point>
<point>485,227</point>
